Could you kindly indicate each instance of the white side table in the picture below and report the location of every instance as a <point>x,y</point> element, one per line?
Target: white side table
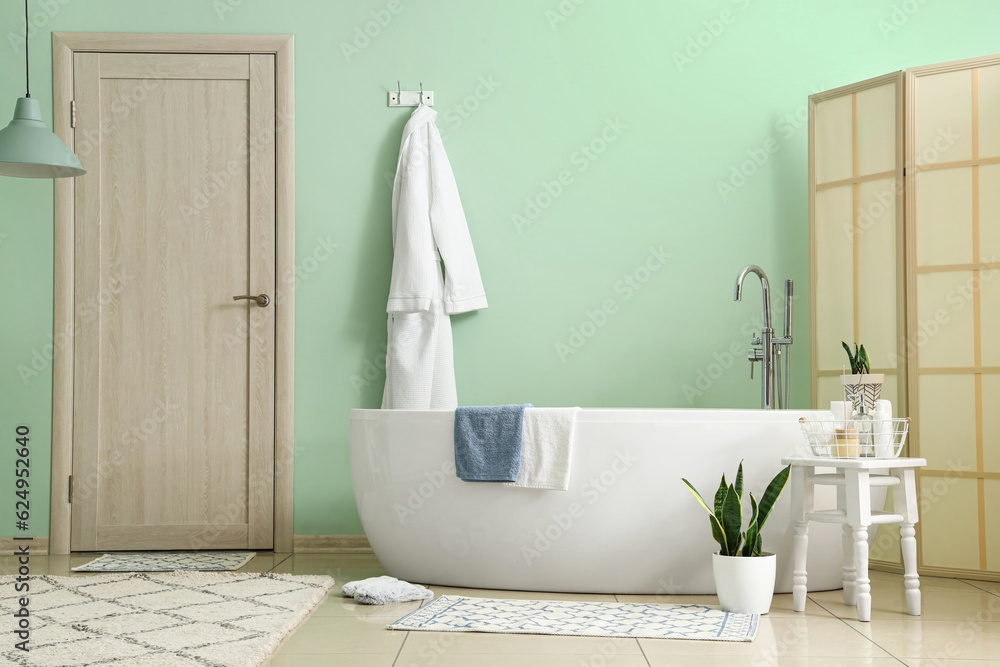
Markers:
<point>854,479</point>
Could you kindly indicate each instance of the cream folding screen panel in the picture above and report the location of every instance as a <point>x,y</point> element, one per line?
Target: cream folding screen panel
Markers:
<point>904,192</point>
<point>953,255</point>
<point>856,243</point>
<point>855,200</point>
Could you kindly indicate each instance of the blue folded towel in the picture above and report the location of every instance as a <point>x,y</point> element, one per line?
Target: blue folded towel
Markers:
<point>488,442</point>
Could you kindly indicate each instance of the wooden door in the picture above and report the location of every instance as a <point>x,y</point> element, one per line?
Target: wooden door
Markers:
<point>173,408</point>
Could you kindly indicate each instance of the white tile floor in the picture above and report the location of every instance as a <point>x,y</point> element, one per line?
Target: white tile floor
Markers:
<point>960,626</point>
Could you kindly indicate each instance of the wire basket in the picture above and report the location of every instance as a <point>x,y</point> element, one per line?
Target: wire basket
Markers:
<point>855,438</point>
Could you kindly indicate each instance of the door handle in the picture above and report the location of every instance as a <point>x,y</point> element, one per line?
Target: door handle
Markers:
<point>261,299</point>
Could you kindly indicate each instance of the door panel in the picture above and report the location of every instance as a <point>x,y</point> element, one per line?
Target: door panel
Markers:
<point>174,390</point>
<point>262,263</point>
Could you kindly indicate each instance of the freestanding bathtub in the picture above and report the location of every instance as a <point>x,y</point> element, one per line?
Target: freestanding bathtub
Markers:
<point>627,524</point>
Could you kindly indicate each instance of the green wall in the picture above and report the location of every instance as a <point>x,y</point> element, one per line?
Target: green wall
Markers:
<point>523,87</point>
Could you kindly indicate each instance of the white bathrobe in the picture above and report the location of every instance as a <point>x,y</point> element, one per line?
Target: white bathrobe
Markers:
<point>428,227</point>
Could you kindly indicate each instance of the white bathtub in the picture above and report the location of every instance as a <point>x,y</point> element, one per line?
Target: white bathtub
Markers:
<point>627,524</point>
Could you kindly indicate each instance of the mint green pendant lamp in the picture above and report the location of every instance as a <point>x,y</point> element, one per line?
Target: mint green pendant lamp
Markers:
<point>27,148</point>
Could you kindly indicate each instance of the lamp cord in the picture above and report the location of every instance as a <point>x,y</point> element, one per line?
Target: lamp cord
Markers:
<point>27,69</point>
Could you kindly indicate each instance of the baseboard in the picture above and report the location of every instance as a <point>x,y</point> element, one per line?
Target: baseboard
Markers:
<point>931,571</point>
<point>885,566</point>
<point>332,544</point>
<point>38,546</point>
<point>303,544</point>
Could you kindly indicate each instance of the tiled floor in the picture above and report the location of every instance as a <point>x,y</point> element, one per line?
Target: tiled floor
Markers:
<point>960,626</point>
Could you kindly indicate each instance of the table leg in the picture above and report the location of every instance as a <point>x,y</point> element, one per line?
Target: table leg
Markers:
<point>799,575</point>
<point>863,587</point>
<point>911,579</point>
<point>801,486</point>
<point>905,502</point>
<point>850,591</point>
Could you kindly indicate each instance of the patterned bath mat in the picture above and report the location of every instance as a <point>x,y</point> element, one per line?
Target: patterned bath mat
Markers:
<point>584,619</point>
<point>164,562</point>
<point>182,619</point>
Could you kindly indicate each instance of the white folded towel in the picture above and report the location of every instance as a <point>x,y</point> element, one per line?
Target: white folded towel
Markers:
<point>821,433</point>
<point>842,412</point>
<point>385,590</point>
<point>546,448</point>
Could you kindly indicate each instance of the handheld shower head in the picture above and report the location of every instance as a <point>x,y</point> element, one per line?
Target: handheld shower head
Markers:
<point>789,295</point>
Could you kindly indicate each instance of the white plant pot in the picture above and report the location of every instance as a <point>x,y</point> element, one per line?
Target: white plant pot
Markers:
<point>745,585</point>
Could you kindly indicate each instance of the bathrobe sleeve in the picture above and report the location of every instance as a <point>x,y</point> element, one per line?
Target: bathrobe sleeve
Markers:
<point>463,286</point>
<point>415,268</point>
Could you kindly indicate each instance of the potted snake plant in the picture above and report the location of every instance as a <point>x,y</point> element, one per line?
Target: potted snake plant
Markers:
<point>744,573</point>
<point>862,384</point>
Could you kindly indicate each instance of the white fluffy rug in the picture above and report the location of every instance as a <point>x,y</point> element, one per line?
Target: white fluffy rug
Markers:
<point>178,619</point>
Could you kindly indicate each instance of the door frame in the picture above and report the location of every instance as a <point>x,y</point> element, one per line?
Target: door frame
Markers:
<point>64,46</point>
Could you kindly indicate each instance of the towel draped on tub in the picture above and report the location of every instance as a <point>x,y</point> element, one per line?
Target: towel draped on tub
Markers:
<point>547,448</point>
<point>488,442</point>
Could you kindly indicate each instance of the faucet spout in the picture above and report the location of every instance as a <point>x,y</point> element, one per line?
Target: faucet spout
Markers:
<point>766,352</point>
<point>765,286</point>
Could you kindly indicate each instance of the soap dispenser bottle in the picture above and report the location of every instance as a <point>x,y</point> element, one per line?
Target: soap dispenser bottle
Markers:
<point>865,423</point>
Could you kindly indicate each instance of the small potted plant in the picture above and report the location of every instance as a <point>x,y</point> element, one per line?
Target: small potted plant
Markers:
<point>862,384</point>
<point>744,573</point>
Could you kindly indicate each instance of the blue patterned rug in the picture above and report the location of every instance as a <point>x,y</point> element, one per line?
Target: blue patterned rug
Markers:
<point>584,619</point>
<point>168,562</point>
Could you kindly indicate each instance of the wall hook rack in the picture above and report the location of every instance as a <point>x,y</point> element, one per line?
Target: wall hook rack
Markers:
<point>410,98</point>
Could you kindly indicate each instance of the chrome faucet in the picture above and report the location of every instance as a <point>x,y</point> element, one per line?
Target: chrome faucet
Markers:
<point>768,348</point>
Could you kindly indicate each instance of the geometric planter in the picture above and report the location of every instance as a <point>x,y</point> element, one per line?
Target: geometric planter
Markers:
<point>865,387</point>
